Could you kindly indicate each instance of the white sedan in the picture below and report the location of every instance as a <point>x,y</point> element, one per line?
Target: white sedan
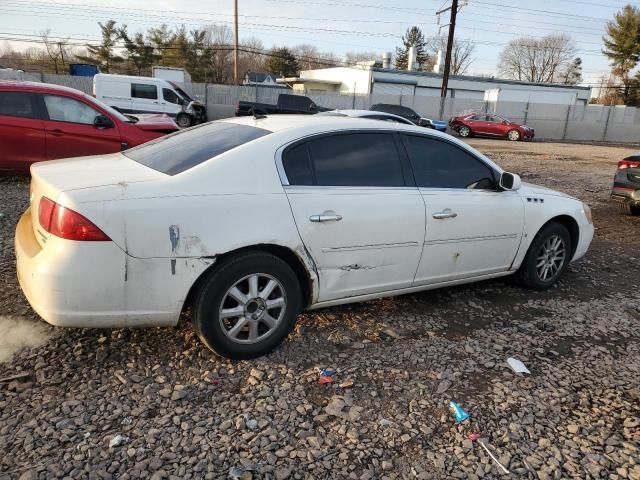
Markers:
<point>249,221</point>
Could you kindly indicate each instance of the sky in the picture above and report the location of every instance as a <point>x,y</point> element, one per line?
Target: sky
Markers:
<point>331,25</point>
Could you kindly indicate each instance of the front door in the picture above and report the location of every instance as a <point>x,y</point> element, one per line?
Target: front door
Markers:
<point>472,228</point>
<point>356,211</point>
<point>70,131</point>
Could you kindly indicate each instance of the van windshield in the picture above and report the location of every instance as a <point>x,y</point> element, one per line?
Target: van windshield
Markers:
<point>183,150</point>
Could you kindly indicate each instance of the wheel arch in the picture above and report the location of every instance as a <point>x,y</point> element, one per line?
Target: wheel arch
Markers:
<point>308,278</point>
<point>571,225</point>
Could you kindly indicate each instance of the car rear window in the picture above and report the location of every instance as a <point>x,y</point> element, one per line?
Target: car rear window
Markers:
<point>181,151</point>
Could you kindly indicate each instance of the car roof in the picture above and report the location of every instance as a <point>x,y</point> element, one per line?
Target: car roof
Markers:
<point>37,87</point>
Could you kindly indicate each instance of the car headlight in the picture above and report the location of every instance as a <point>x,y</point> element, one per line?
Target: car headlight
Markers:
<point>587,213</point>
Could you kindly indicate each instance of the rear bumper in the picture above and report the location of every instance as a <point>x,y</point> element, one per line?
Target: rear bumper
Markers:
<point>626,194</point>
<point>90,284</point>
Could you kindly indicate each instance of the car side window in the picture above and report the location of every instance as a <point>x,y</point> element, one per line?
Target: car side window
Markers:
<point>17,104</point>
<point>440,164</point>
<point>141,90</point>
<point>65,109</point>
<point>357,160</point>
<point>170,96</point>
<point>297,165</point>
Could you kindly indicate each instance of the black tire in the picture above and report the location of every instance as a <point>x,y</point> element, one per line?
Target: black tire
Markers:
<point>529,274</point>
<point>215,290</point>
<point>464,131</point>
<point>184,120</point>
<point>629,209</point>
<point>514,135</point>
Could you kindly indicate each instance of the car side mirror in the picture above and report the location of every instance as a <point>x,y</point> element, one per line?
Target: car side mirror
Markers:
<point>510,181</point>
<point>102,121</point>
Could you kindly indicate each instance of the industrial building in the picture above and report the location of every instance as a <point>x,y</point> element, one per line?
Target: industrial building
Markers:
<point>364,79</point>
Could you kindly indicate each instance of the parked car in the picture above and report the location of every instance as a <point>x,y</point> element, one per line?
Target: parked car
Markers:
<point>388,117</point>
<point>350,210</point>
<point>626,184</point>
<point>411,115</point>
<point>489,125</point>
<point>39,121</point>
<point>286,103</point>
<point>129,94</point>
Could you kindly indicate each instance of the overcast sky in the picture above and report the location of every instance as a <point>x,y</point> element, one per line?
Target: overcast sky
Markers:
<point>332,25</point>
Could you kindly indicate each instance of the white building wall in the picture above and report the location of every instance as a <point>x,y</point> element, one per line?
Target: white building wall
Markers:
<point>351,78</point>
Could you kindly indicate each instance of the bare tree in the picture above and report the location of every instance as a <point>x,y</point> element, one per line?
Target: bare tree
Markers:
<point>218,39</point>
<point>461,54</point>
<point>56,51</point>
<point>252,57</point>
<point>541,60</point>
<point>309,57</point>
<point>352,58</point>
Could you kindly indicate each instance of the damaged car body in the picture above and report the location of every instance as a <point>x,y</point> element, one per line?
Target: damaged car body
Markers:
<point>249,221</point>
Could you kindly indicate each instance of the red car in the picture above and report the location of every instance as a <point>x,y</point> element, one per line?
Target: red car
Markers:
<point>39,121</point>
<point>489,125</point>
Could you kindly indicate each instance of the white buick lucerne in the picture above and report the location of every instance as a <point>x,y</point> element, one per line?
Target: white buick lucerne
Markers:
<point>249,221</point>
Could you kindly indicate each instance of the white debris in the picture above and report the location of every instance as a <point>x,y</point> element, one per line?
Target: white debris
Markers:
<point>517,366</point>
<point>118,440</point>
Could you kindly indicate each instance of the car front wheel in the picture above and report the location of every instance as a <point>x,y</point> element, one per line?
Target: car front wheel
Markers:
<point>183,120</point>
<point>247,306</point>
<point>464,131</point>
<point>513,135</point>
<point>548,257</point>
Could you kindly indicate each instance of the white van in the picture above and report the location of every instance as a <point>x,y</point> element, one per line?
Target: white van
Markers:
<point>130,94</point>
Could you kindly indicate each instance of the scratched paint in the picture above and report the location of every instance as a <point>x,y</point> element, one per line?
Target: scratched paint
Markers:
<point>174,237</point>
<point>173,266</point>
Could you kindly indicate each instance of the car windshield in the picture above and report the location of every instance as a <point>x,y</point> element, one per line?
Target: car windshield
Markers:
<point>112,111</point>
<point>183,150</point>
<point>181,92</point>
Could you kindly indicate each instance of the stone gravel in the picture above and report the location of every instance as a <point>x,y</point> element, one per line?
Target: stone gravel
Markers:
<point>153,403</point>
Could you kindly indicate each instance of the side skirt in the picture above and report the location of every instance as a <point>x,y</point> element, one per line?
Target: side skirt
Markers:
<point>403,291</point>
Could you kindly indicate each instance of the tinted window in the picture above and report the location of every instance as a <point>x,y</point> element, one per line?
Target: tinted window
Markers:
<point>140,90</point>
<point>183,150</point>
<point>16,104</point>
<point>297,166</point>
<point>438,164</point>
<point>170,96</point>
<point>65,109</point>
<point>356,159</point>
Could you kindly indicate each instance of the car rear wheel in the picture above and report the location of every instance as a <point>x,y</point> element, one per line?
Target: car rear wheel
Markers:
<point>247,306</point>
<point>629,209</point>
<point>513,135</point>
<point>464,131</point>
<point>183,120</point>
<point>548,257</point>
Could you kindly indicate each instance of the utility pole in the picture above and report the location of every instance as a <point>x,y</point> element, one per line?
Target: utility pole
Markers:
<point>61,53</point>
<point>447,59</point>
<point>235,43</point>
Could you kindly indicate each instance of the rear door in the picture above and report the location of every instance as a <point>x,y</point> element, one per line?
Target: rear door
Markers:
<point>472,227</point>
<point>479,124</point>
<point>22,138</point>
<point>70,132</point>
<point>357,211</point>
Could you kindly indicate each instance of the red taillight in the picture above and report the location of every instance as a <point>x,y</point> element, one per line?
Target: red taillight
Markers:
<point>624,164</point>
<point>65,223</point>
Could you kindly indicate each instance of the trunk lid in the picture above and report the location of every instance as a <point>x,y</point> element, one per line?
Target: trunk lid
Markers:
<point>49,179</point>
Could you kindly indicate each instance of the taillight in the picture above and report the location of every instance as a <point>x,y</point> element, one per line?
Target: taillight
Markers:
<point>624,164</point>
<point>68,224</point>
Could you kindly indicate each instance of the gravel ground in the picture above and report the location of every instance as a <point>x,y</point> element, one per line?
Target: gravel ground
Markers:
<point>155,404</point>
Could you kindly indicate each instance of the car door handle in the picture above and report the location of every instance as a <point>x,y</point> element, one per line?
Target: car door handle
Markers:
<point>446,213</point>
<point>325,218</point>
<point>57,132</point>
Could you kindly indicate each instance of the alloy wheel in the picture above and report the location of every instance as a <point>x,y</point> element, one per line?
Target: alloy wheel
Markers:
<point>252,308</point>
<point>514,135</point>
<point>551,258</point>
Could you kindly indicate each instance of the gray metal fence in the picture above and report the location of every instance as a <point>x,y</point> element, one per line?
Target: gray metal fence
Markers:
<point>595,123</point>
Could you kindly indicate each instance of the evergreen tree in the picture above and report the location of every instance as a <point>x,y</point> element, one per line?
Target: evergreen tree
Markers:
<point>283,62</point>
<point>139,52</point>
<point>103,55</point>
<point>622,46</point>
<point>573,73</point>
<point>412,38</point>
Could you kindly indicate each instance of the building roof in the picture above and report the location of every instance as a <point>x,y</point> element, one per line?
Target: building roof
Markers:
<point>476,78</point>
<point>261,76</point>
<point>304,80</point>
